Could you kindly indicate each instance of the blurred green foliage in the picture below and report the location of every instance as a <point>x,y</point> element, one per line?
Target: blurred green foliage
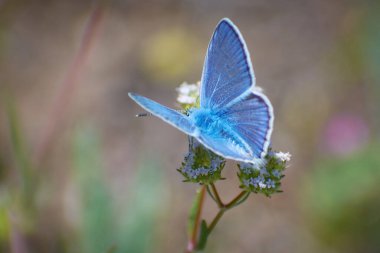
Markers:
<point>138,229</point>
<point>96,217</point>
<point>22,155</point>
<point>106,225</point>
<point>342,201</point>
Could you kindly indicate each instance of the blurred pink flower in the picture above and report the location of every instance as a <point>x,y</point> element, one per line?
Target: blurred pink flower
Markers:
<point>345,133</point>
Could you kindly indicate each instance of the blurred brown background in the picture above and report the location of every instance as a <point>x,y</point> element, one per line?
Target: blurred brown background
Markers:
<point>79,173</point>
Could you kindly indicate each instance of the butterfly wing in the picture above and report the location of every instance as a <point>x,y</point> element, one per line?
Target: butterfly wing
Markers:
<point>168,115</point>
<point>224,147</point>
<point>252,119</point>
<point>227,88</point>
<point>245,130</point>
<point>227,71</point>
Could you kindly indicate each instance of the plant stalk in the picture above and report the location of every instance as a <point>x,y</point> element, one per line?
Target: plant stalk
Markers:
<point>224,208</point>
<point>192,243</point>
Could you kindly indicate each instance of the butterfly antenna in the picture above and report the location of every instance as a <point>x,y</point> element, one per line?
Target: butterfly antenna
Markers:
<point>146,114</point>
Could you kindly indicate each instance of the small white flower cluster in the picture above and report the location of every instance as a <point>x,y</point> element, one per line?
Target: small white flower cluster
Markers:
<point>188,93</point>
<point>283,157</point>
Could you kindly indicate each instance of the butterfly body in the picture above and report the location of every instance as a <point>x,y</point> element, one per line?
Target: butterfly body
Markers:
<point>205,120</point>
<point>234,120</point>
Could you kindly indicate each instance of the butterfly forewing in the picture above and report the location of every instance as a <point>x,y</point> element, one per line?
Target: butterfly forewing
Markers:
<point>171,116</point>
<point>227,71</point>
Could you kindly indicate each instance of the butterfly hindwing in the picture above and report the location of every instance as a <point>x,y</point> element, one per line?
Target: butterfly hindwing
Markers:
<point>227,71</point>
<point>170,116</point>
<point>225,148</point>
<point>251,118</point>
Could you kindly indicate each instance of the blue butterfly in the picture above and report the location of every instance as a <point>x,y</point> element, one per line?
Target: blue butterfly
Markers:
<point>234,119</point>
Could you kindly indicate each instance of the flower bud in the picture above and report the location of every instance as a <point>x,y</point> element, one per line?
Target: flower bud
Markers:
<point>200,164</point>
<point>264,175</point>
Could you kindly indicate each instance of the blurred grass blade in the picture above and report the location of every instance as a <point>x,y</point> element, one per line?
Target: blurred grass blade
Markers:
<point>69,84</point>
<point>146,203</point>
<point>97,223</point>
<point>21,155</point>
<point>127,228</point>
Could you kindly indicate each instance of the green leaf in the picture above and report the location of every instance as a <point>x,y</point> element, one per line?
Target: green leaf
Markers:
<point>203,235</point>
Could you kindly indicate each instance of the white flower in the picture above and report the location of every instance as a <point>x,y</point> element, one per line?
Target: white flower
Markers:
<point>186,89</point>
<point>283,157</point>
<point>262,184</point>
<point>184,99</point>
<point>187,93</point>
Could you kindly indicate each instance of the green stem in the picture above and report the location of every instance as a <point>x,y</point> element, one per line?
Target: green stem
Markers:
<point>236,199</point>
<point>210,193</point>
<point>217,197</point>
<point>224,208</point>
<point>215,221</point>
<point>206,231</point>
<point>192,243</point>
